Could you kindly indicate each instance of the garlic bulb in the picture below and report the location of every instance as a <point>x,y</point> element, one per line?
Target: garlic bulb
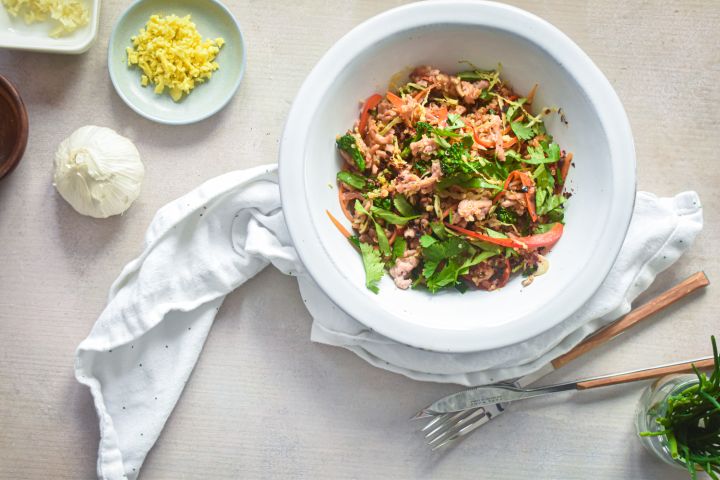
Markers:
<point>98,171</point>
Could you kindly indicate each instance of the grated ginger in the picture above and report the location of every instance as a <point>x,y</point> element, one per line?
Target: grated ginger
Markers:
<point>68,14</point>
<point>172,54</point>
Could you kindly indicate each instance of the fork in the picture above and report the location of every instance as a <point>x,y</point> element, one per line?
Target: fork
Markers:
<point>444,429</point>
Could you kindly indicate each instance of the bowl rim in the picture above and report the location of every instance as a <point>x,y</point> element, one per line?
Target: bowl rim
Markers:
<point>586,74</point>
<point>178,121</point>
<point>18,150</point>
<point>77,48</point>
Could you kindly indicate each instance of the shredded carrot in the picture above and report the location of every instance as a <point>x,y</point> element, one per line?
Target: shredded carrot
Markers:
<point>395,100</point>
<point>420,95</point>
<point>531,95</point>
<point>510,142</point>
<point>338,225</point>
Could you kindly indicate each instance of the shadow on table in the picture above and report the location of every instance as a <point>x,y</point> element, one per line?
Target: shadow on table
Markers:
<point>165,136</point>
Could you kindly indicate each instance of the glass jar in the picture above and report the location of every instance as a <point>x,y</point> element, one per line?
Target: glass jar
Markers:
<point>653,404</point>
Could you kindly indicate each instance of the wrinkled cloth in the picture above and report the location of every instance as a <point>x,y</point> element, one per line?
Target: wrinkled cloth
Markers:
<point>200,247</point>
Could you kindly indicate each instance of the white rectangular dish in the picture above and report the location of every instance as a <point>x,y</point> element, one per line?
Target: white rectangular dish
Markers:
<point>16,34</point>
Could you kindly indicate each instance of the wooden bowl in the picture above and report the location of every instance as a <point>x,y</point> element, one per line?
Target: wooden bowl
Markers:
<point>13,127</point>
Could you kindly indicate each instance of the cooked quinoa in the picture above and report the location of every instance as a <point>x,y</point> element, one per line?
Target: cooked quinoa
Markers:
<point>451,182</point>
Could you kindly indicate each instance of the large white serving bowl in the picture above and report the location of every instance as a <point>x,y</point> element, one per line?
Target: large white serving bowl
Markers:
<point>531,51</point>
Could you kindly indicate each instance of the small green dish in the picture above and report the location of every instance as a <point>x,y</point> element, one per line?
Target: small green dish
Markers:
<point>213,20</point>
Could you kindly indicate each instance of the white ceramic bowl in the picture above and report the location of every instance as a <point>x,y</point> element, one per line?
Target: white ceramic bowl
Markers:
<point>440,34</point>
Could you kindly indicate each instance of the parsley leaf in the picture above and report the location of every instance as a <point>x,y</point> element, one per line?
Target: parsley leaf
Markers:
<point>373,265</point>
<point>348,144</point>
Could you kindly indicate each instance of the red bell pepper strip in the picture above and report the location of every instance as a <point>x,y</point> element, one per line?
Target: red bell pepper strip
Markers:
<point>528,183</point>
<point>504,242</point>
<point>371,102</point>
<point>547,239</point>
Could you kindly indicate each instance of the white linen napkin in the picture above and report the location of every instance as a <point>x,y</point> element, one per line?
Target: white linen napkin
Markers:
<point>205,244</point>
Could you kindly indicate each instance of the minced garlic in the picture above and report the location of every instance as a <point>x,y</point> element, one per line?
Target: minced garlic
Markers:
<point>68,14</point>
<point>171,53</point>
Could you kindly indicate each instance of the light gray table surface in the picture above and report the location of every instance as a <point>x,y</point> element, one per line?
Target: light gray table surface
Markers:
<point>263,401</point>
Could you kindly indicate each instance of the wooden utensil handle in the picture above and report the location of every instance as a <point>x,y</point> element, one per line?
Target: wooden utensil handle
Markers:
<point>644,374</point>
<point>665,299</point>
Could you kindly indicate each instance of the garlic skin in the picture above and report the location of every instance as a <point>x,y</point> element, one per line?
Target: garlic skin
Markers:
<point>98,171</point>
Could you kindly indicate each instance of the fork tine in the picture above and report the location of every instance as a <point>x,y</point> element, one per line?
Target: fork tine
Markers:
<point>449,422</point>
<point>463,431</point>
<point>439,419</point>
<point>451,428</point>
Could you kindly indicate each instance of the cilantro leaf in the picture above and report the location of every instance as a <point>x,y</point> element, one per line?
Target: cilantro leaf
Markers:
<point>429,267</point>
<point>373,265</point>
<point>540,155</point>
<point>455,121</point>
<point>427,240</point>
<point>348,144</point>
<point>523,132</point>
<point>352,179</point>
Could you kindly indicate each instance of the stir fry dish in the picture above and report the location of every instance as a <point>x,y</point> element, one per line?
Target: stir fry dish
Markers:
<point>451,182</point>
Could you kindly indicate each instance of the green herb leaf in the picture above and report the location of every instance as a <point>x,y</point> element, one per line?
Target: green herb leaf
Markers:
<point>348,144</point>
<point>495,234</point>
<point>398,247</point>
<point>543,228</point>
<point>353,179</point>
<point>373,265</point>
<point>439,230</point>
<point>539,155</point>
<point>391,217</point>
<point>403,206</point>
<point>427,240</point>
<point>523,132</point>
<point>455,121</point>
<point>383,241</point>
<point>552,202</point>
